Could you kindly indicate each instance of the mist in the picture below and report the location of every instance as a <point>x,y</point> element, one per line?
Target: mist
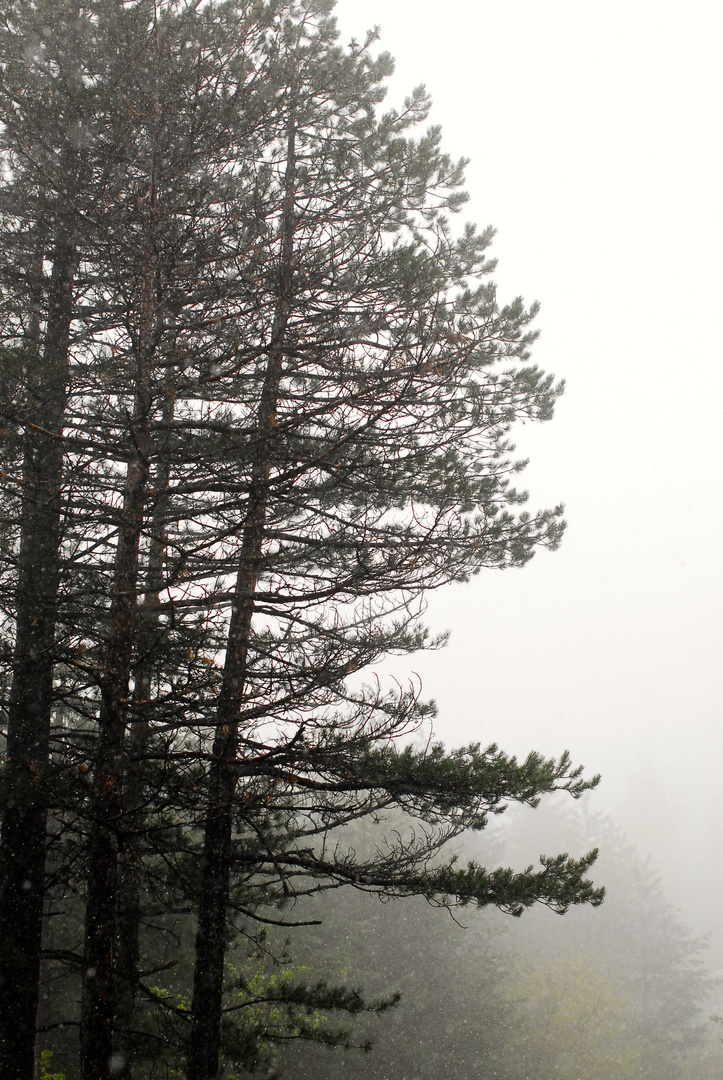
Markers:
<point>589,131</point>
<point>255,433</point>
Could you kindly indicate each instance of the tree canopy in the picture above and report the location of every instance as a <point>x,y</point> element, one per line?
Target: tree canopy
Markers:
<point>259,390</point>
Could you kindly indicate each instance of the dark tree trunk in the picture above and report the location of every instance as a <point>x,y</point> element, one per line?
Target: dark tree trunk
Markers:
<point>130,884</point>
<point>28,744</point>
<point>211,932</point>
<point>211,935</point>
<point>99,976</point>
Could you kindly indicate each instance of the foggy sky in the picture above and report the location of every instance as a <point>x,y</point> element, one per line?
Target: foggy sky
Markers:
<point>594,137</point>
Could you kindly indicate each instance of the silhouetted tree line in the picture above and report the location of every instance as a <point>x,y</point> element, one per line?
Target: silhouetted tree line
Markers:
<point>256,397</point>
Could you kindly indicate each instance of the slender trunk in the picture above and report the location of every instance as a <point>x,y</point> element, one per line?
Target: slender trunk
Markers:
<point>98,1004</point>
<point>129,895</point>
<point>211,936</point>
<point>29,712</point>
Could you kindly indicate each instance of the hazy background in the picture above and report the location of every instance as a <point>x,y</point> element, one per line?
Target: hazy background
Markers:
<point>594,134</point>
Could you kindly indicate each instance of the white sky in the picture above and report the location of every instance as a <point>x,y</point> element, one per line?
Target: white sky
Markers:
<point>595,137</point>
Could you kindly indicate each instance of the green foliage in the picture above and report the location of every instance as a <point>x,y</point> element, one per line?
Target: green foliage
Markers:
<point>268,1002</point>
<point>46,1064</point>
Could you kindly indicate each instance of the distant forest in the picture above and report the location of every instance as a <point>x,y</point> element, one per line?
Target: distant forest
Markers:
<point>620,992</point>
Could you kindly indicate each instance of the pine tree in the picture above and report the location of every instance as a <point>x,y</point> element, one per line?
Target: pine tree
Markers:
<point>369,383</point>
<point>287,390</point>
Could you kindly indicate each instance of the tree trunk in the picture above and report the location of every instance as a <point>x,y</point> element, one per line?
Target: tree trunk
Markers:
<point>129,894</point>
<point>28,744</point>
<point>99,982</point>
<point>211,936</point>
